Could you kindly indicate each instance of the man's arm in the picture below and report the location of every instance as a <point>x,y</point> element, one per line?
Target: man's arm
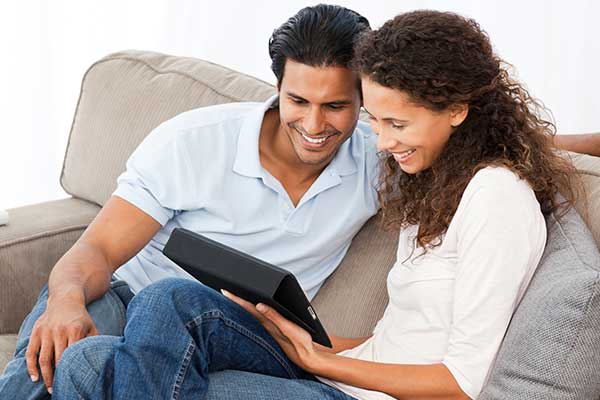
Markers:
<point>82,275</point>
<point>585,144</point>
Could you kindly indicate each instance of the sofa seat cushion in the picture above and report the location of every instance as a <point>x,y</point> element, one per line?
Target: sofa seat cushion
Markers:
<point>551,347</point>
<point>7,348</point>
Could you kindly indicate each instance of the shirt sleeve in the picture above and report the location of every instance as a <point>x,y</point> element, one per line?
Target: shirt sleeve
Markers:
<point>501,234</point>
<point>158,175</point>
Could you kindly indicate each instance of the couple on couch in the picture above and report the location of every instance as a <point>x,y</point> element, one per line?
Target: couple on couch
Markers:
<point>457,157</point>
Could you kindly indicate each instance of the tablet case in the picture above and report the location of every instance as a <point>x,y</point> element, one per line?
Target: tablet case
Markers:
<point>222,267</point>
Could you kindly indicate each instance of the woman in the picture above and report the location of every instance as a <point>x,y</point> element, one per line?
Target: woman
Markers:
<point>468,174</point>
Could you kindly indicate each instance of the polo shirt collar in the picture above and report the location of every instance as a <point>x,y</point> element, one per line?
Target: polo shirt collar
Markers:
<point>247,161</point>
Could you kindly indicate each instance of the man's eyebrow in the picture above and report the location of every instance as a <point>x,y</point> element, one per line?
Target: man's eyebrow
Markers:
<point>294,95</point>
<point>341,102</point>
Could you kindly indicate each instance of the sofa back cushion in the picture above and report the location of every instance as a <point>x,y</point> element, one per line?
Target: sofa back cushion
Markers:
<point>588,206</point>
<point>126,95</point>
<point>552,346</point>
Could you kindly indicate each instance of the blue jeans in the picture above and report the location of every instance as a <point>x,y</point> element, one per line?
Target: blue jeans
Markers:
<point>180,335</point>
<point>108,313</point>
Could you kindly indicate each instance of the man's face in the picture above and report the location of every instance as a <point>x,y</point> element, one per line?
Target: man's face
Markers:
<point>318,109</point>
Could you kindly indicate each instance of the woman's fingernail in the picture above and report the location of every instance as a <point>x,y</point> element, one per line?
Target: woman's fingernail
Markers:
<point>33,378</point>
<point>261,307</point>
<point>225,292</point>
<point>50,390</point>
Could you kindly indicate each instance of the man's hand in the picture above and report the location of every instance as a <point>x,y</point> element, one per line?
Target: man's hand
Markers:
<point>63,323</point>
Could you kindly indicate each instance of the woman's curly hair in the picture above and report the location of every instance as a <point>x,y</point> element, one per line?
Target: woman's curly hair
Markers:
<point>442,59</point>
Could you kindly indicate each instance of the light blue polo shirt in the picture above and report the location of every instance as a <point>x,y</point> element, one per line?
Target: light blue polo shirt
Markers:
<point>201,171</point>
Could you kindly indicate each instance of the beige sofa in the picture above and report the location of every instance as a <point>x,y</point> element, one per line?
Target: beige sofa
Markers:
<point>125,95</point>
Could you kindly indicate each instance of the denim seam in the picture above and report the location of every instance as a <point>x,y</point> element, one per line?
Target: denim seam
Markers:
<point>185,363</point>
<point>120,305</point>
<point>218,314</point>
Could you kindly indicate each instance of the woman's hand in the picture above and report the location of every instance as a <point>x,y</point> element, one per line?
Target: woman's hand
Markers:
<point>295,341</point>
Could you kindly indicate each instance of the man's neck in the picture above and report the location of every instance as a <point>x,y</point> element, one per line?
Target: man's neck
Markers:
<point>278,157</point>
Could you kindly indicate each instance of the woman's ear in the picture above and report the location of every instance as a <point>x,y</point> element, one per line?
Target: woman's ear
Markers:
<point>458,113</point>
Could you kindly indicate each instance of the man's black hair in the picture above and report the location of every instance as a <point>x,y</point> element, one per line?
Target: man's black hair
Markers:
<point>319,36</point>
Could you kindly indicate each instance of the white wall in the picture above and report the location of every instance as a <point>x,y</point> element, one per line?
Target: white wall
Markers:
<point>47,46</point>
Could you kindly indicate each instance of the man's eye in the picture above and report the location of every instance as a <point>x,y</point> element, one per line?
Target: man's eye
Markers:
<point>298,101</point>
<point>372,118</point>
<point>335,106</point>
<point>395,126</point>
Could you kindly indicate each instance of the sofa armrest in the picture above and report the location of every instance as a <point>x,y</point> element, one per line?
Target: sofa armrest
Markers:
<point>33,241</point>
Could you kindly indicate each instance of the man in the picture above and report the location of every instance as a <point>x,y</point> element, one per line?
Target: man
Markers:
<point>289,181</point>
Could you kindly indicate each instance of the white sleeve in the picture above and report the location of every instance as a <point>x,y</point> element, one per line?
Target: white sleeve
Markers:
<point>501,235</point>
<point>158,175</point>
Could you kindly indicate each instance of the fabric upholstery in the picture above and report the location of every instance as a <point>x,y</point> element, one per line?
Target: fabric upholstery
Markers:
<point>551,348</point>
<point>7,348</point>
<point>589,209</point>
<point>37,236</point>
<point>124,96</point>
<point>353,298</point>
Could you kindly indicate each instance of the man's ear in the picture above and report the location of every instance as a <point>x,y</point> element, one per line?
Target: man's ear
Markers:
<point>458,114</point>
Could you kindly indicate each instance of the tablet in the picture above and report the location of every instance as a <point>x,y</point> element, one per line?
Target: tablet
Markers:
<point>221,267</point>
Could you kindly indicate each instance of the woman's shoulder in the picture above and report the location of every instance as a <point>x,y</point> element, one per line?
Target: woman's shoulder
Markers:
<point>498,181</point>
<point>495,189</point>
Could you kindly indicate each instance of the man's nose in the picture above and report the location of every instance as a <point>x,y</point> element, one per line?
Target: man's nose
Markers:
<point>314,122</point>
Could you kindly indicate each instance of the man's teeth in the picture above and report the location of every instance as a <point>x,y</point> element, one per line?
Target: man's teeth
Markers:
<point>315,141</point>
<point>405,153</point>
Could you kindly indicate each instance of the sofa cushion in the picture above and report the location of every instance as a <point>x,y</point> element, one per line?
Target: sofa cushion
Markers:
<point>7,348</point>
<point>126,95</point>
<point>589,209</point>
<point>551,349</point>
<point>353,298</point>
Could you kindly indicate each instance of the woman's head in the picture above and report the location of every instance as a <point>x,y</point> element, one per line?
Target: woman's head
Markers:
<point>412,134</point>
<point>444,106</point>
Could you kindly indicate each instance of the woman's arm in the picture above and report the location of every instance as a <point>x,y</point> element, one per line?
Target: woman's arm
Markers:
<point>341,343</point>
<point>400,381</point>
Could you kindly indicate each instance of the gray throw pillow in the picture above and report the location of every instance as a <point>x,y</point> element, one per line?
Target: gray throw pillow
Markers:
<point>552,347</point>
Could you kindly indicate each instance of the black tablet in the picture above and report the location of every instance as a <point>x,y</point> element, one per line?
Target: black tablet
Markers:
<point>222,267</point>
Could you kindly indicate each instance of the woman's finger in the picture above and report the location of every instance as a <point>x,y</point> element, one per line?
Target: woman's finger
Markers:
<point>284,324</point>
<point>245,304</point>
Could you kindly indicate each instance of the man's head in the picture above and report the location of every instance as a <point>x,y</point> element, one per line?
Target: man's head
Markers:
<point>319,93</point>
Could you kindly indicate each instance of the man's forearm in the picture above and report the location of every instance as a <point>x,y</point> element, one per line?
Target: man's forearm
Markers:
<point>83,275</point>
<point>584,144</point>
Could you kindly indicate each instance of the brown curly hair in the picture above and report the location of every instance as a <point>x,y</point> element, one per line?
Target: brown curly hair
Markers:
<point>442,59</point>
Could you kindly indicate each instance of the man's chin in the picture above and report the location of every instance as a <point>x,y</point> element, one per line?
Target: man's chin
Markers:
<point>314,159</point>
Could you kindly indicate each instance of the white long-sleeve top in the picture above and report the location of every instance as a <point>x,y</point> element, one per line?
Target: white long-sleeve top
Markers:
<point>453,304</point>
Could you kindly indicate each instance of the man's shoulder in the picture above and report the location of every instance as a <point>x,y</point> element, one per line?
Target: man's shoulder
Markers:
<point>214,123</point>
<point>209,116</point>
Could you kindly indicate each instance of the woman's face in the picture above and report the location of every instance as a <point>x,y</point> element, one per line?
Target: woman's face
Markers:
<point>413,134</point>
